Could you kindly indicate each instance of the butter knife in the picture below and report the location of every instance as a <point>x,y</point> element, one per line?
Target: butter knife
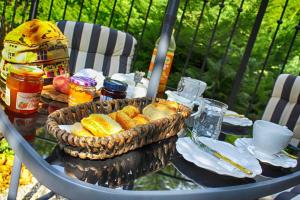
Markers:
<point>234,115</point>
<point>224,158</point>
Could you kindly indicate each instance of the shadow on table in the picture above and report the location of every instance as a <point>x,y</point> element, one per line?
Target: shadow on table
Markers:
<point>121,170</point>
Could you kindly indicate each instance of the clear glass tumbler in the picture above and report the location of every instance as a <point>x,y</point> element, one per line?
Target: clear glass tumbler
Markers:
<point>190,88</point>
<point>209,121</point>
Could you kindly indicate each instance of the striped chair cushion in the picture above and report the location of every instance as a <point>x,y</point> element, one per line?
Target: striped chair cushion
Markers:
<point>284,106</point>
<point>292,194</point>
<point>98,47</point>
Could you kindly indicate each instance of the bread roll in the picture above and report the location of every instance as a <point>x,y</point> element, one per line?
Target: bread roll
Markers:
<point>113,115</point>
<point>171,104</point>
<point>157,111</point>
<point>78,130</point>
<point>101,125</point>
<point>124,120</point>
<point>131,111</point>
<point>140,119</point>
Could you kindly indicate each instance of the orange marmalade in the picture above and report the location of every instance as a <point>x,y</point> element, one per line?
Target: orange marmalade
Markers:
<point>24,85</point>
<point>82,90</point>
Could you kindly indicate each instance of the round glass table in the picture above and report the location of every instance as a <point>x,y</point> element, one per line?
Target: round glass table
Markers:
<point>156,171</point>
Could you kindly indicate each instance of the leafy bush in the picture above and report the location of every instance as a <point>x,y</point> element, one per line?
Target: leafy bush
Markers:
<point>219,81</point>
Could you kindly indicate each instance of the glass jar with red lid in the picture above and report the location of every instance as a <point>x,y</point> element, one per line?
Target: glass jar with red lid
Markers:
<point>24,85</point>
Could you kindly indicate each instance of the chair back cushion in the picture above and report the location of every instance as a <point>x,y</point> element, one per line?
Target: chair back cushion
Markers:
<point>284,106</point>
<point>98,47</point>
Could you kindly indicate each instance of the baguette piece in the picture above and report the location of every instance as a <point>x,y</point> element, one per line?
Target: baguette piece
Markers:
<point>171,105</point>
<point>124,120</point>
<point>113,115</point>
<point>157,111</point>
<point>101,125</point>
<point>131,111</point>
<point>141,119</point>
<point>78,130</point>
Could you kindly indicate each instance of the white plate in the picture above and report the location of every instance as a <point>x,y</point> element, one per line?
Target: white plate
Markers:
<point>195,154</point>
<point>278,160</point>
<point>65,127</point>
<point>236,120</point>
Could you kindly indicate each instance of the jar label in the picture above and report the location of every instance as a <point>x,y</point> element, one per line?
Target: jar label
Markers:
<point>7,96</point>
<point>27,101</point>
<point>105,98</point>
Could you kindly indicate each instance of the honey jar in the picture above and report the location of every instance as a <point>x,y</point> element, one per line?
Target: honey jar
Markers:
<point>113,89</point>
<point>24,85</point>
<point>82,90</point>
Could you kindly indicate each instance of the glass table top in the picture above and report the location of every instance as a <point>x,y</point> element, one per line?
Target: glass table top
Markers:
<point>157,166</point>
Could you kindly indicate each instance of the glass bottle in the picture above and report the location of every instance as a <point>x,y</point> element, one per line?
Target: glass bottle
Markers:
<point>167,64</point>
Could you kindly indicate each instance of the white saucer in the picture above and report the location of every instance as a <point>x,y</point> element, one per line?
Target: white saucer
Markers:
<point>197,155</point>
<point>278,160</point>
<point>236,120</point>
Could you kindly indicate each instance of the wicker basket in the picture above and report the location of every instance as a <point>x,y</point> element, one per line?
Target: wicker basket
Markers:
<point>117,144</point>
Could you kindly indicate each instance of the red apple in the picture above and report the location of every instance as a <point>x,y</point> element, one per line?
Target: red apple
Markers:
<point>61,84</point>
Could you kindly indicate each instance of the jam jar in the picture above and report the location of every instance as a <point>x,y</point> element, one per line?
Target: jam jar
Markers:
<point>82,90</point>
<point>24,85</point>
<point>113,89</point>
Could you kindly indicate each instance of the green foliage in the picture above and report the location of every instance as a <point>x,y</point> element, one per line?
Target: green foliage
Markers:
<point>219,80</point>
<point>157,181</point>
<point>5,148</point>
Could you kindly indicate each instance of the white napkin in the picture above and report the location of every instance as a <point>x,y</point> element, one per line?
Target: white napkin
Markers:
<point>133,91</point>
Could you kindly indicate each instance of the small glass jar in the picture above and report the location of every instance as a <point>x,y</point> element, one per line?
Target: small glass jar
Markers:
<point>113,89</point>
<point>82,90</point>
<point>24,85</point>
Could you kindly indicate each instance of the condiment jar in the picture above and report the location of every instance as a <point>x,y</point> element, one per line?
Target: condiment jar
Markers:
<point>82,90</point>
<point>113,89</point>
<point>24,85</point>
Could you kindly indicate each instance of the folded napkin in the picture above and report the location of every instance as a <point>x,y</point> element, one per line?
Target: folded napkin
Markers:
<point>133,91</point>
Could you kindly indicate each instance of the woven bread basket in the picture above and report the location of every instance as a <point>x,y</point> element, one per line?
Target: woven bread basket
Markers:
<point>116,144</point>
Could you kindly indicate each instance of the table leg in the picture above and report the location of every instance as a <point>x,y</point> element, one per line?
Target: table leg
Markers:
<point>14,179</point>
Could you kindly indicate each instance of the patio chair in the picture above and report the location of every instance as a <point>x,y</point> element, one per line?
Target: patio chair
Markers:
<point>98,47</point>
<point>284,108</point>
<point>284,105</point>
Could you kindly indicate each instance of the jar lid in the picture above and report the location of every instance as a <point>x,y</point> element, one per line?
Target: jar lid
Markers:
<point>114,85</point>
<point>26,70</point>
<point>83,81</point>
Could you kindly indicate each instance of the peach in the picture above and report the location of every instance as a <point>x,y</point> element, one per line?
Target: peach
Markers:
<point>61,84</point>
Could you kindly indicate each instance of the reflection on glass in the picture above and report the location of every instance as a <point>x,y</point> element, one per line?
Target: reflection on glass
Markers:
<point>124,169</point>
<point>25,124</point>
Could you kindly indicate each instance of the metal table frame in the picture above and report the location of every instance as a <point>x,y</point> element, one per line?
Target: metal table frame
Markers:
<point>75,189</point>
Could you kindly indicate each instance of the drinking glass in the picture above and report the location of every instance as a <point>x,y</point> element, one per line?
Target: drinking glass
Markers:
<point>190,88</point>
<point>208,122</point>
